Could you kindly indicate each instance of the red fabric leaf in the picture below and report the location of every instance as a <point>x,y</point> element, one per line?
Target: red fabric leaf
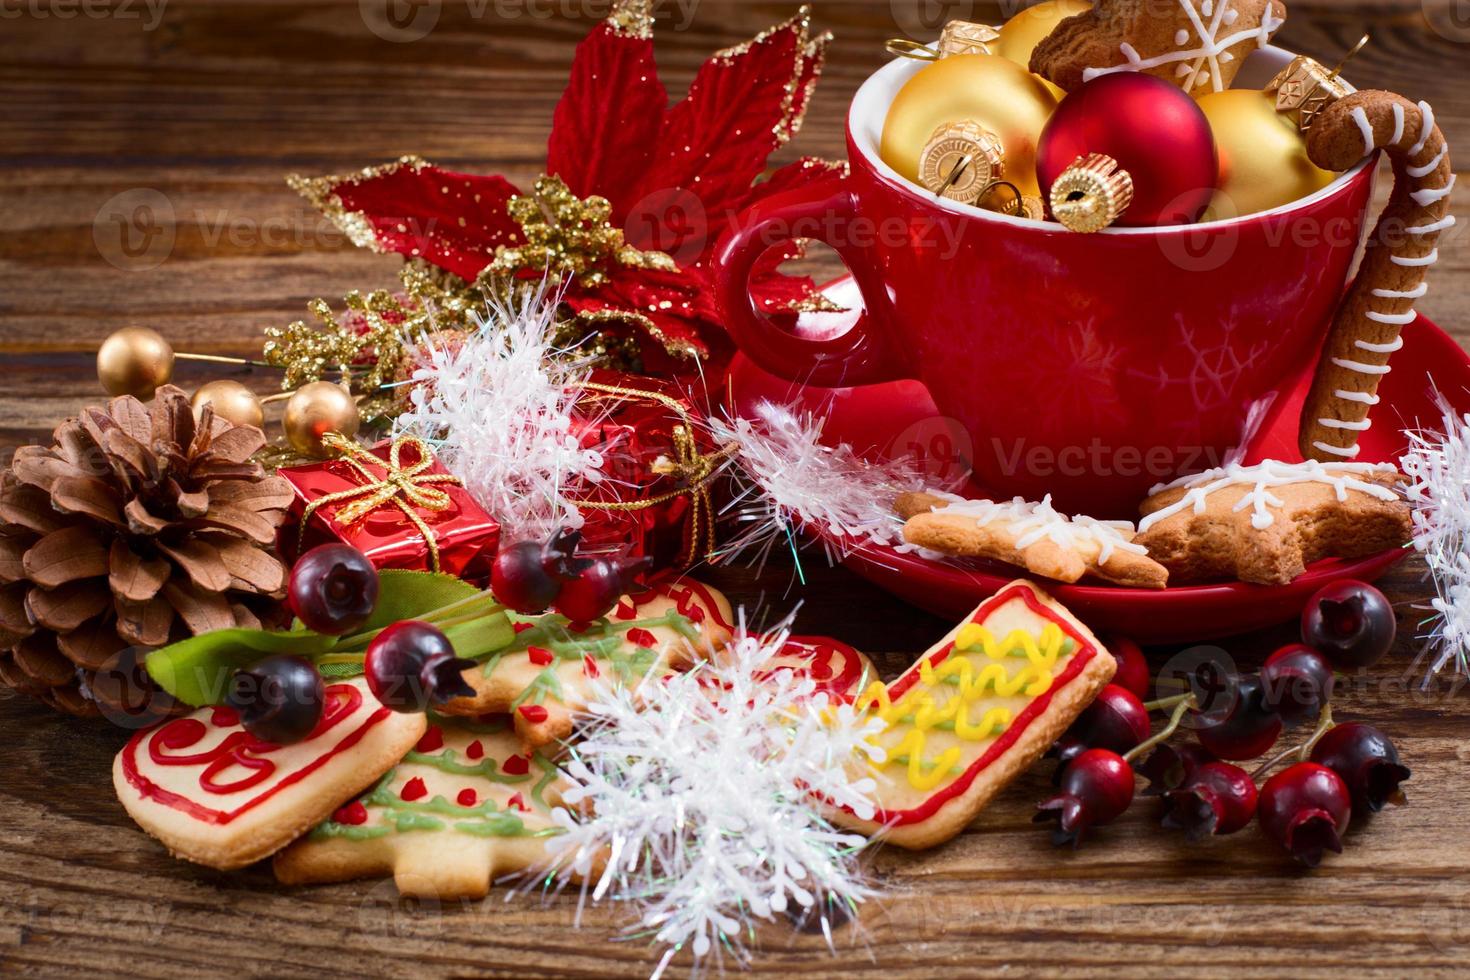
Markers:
<point>607,124</point>
<point>453,220</point>
<point>742,105</point>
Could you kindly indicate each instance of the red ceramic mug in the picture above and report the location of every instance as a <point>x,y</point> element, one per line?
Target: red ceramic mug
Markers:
<point>1090,367</point>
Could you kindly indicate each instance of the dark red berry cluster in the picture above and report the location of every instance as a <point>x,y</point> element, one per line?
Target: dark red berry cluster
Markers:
<point>1340,770</point>
<point>531,577</point>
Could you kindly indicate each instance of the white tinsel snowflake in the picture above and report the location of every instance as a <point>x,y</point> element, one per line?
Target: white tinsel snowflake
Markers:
<point>1438,467</point>
<point>789,479</point>
<point>701,793</point>
<point>497,408</point>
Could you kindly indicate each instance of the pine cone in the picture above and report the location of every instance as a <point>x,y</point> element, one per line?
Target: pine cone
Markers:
<point>137,528</point>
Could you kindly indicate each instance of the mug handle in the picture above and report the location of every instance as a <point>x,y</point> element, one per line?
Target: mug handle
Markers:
<point>860,356</point>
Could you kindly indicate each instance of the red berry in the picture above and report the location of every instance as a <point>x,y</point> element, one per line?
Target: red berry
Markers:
<point>1116,721</point>
<point>279,699</point>
<point>1218,799</point>
<point>1351,623</point>
<point>516,765</point>
<point>1132,672</point>
<point>539,656</point>
<point>414,789</point>
<point>1298,683</point>
<point>1305,809</point>
<point>1169,767</point>
<point>517,802</point>
<point>1246,728</point>
<point>466,797</point>
<point>1096,788</point>
<point>1367,762</point>
<point>519,579</point>
<point>475,751</point>
<point>534,713</point>
<point>333,589</point>
<point>412,664</point>
<point>598,586</point>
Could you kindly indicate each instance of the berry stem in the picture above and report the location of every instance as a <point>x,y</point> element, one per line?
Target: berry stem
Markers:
<point>1302,752</point>
<point>1164,703</point>
<point>1184,703</point>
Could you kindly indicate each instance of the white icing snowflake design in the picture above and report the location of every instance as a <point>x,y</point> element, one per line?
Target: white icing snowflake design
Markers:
<point>1202,50</point>
<point>1262,478</point>
<point>1035,521</point>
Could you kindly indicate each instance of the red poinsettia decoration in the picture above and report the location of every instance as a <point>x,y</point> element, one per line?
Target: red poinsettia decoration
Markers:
<point>636,195</point>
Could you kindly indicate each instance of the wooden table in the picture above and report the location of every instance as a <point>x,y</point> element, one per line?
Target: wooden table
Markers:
<point>198,113</point>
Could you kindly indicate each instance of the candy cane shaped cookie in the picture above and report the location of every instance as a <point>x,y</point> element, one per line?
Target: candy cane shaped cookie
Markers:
<point>1402,248</point>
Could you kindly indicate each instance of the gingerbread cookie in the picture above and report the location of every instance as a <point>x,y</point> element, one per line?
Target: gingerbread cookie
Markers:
<point>1266,523</point>
<point>545,677</point>
<point>977,710</point>
<point>216,795</point>
<point>1403,246</point>
<point>1198,45</point>
<point>460,810</point>
<point>1030,535</point>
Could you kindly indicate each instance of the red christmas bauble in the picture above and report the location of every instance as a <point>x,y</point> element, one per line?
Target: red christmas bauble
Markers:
<point>1153,129</point>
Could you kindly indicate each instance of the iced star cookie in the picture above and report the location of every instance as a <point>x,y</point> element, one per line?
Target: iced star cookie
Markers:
<point>1032,536</point>
<point>1266,523</point>
<point>461,809</point>
<point>976,710</point>
<point>216,795</point>
<point>1198,45</point>
<point>546,676</point>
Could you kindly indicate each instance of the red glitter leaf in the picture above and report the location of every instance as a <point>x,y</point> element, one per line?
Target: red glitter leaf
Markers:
<point>594,147</point>
<point>740,108</point>
<point>456,221</point>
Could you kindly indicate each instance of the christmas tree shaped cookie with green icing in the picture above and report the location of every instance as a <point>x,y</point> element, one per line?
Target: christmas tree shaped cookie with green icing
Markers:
<point>466,806</point>
<point>551,671</point>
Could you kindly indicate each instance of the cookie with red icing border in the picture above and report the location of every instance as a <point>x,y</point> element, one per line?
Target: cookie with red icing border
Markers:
<point>461,809</point>
<point>975,711</point>
<point>216,795</point>
<point>546,676</point>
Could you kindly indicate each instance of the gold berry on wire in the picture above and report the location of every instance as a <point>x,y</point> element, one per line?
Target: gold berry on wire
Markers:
<point>229,400</point>
<point>134,361</point>
<point>315,409</point>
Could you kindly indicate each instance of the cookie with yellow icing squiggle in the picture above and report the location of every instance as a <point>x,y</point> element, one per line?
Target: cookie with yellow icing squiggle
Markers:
<point>977,710</point>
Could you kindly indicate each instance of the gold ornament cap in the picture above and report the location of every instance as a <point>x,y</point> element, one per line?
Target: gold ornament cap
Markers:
<point>958,37</point>
<point>961,161</point>
<point>964,37</point>
<point>1091,194</point>
<point>1305,89</point>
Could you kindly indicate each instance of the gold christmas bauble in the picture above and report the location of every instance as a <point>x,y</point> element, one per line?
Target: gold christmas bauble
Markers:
<point>134,361</point>
<point>1263,158</point>
<point>1020,35</point>
<point>230,401</point>
<point>987,89</point>
<point>315,409</point>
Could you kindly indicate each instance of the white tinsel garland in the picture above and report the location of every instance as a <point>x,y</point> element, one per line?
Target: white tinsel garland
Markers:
<point>497,407</point>
<point>700,800</point>
<point>788,478</point>
<point>1438,467</point>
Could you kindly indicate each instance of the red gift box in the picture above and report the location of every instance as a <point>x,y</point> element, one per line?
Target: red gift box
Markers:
<point>657,495</point>
<point>396,504</point>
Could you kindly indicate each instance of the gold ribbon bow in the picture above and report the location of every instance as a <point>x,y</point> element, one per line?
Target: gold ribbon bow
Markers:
<point>406,487</point>
<point>690,467</point>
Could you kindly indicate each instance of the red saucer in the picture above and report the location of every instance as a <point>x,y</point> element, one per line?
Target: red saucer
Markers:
<point>899,418</point>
